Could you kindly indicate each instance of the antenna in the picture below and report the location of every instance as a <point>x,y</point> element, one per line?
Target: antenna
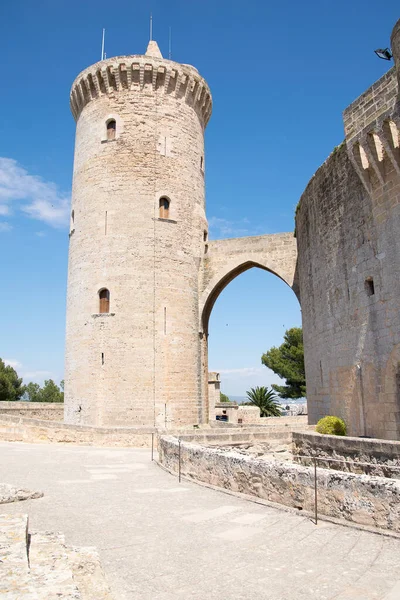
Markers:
<point>169,44</point>
<point>151,26</point>
<point>102,45</point>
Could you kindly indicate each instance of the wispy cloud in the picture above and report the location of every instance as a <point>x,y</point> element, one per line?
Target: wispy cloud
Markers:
<point>236,382</point>
<point>4,226</point>
<point>12,362</point>
<point>243,372</point>
<point>221,228</point>
<point>37,376</point>
<point>37,198</point>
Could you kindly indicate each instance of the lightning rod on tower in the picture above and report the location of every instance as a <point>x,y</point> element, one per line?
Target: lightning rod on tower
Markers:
<point>102,45</point>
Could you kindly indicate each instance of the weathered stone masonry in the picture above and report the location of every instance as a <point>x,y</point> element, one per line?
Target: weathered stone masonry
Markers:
<point>348,226</point>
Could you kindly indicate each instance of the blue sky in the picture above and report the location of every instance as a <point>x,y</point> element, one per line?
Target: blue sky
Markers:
<point>280,75</point>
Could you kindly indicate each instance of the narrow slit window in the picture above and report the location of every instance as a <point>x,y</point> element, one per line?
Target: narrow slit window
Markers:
<point>104,297</point>
<point>369,286</point>
<point>205,236</point>
<point>164,208</point>
<point>202,163</point>
<point>111,129</point>
<point>102,358</point>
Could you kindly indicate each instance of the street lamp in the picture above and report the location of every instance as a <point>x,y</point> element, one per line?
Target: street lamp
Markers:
<point>384,53</point>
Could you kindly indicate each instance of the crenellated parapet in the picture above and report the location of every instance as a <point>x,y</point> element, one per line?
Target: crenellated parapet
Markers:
<point>372,125</point>
<point>141,74</point>
<point>376,151</point>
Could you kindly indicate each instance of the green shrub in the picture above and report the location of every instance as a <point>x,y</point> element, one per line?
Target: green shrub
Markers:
<point>331,426</point>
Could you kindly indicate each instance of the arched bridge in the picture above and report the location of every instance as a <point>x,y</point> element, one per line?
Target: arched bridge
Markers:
<point>226,259</point>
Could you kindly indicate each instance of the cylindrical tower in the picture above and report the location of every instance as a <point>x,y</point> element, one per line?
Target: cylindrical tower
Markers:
<point>137,239</point>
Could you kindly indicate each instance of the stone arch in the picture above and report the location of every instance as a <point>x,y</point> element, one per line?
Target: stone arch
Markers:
<point>227,259</point>
<point>230,271</point>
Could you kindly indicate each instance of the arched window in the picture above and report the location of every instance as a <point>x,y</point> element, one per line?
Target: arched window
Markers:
<point>104,297</point>
<point>111,129</point>
<point>164,208</point>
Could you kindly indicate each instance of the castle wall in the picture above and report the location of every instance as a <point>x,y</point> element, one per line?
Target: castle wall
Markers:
<point>348,224</point>
<point>138,364</point>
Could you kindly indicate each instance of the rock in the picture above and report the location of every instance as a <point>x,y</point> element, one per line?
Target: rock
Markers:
<point>9,493</point>
<point>281,449</point>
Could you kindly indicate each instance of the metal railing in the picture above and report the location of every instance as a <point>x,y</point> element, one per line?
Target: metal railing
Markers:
<point>313,459</point>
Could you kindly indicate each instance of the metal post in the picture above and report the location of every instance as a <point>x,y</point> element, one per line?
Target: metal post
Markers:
<point>315,492</point>
<point>179,460</point>
<point>152,446</point>
<point>102,44</point>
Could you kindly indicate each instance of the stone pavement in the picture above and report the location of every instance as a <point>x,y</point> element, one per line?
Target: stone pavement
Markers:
<point>159,540</point>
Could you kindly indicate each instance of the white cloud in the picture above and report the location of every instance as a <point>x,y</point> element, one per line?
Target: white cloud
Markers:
<point>39,199</point>
<point>235,382</point>
<point>12,362</point>
<point>221,228</point>
<point>4,226</point>
<point>37,376</point>
<point>243,372</point>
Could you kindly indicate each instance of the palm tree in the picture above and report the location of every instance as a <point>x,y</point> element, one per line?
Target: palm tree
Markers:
<point>266,400</point>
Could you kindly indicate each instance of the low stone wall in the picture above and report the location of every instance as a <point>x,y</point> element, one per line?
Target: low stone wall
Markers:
<point>292,423</point>
<point>238,414</point>
<point>19,429</point>
<point>16,428</point>
<point>365,500</point>
<point>233,436</point>
<point>48,411</point>
<point>351,451</point>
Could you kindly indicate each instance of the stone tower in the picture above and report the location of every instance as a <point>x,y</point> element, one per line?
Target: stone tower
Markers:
<point>137,239</point>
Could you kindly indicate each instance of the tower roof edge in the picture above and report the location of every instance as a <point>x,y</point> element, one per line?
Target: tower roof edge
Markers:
<point>136,72</point>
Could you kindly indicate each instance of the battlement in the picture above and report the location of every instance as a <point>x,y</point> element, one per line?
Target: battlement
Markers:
<point>372,127</point>
<point>375,104</point>
<point>141,73</point>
